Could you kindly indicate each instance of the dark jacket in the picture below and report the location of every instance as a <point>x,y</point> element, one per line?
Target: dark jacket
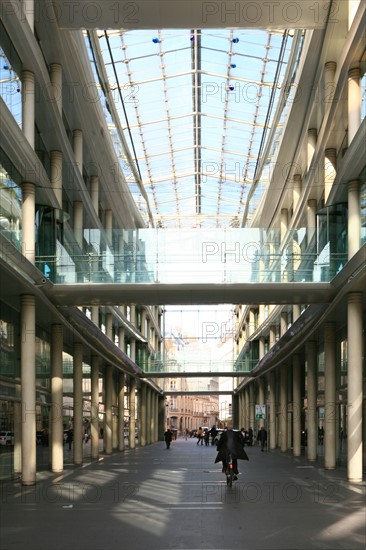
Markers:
<point>168,436</point>
<point>231,442</point>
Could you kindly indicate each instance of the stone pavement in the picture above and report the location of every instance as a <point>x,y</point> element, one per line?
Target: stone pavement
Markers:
<point>152,498</point>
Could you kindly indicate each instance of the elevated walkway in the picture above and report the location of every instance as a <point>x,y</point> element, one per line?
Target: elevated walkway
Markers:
<point>152,266</point>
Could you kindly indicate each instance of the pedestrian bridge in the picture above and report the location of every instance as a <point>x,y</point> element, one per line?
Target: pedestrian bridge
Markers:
<point>159,266</point>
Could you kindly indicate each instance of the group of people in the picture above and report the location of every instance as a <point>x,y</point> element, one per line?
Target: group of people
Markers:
<point>230,445</point>
<point>203,435</point>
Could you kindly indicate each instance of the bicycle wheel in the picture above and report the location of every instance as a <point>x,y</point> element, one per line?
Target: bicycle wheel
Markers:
<point>229,480</point>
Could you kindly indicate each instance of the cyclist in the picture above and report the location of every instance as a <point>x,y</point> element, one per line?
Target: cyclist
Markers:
<point>231,443</point>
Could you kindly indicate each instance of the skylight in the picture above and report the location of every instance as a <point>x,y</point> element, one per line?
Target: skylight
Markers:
<point>196,109</point>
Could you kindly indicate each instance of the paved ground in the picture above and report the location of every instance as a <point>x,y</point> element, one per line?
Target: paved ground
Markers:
<point>157,499</point>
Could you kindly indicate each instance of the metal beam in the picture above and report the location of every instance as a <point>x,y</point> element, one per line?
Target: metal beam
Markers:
<point>186,14</point>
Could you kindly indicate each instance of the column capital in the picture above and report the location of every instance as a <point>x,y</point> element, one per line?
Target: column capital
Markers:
<point>354,73</point>
<point>354,185</point>
<point>313,132</point>
<point>355,297</point>
<point>28,188</point>
<point>330,153</point>
<point>27,76</point>
<point>330,66</point>
<point>55,154</point>
<point>55,67</point>
<point>27,299</point>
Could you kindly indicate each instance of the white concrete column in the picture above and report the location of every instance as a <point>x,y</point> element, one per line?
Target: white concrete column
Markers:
<point>94,412</point>
<point>153,418</point>
<point>78,148</point>
<point>246,408</point>
<point>28,106</point>
<point>108,379</point>
<point>94,193</point>
<point>133,349</point>
<point>312,390</point>
<point>261,347</point>
<point>284,223</point>
<point>283,323</point>
<point>157,400</point>
<point>78,403</point>
<point>28,385</point>
<point>78,211</point>
<point>56,175</point>
<point>28,226</point>
<point>329,81</point>
<point>283,230</point>
<point>329,397</point>
<point>252,326</point>
<point>261,315</point>
<point>311,145</point>
<point>354,218</point>
<point>296,312</point>
<point>56,81</point>
<point>310,220</point>
<point>354,102</point>
<point>121,339</point>
<point>296,191</point>
<point>354,392</point>
<point>143,322</point>
<point>330,171</point>
<point>272,410</point>
<point>109,224</point>
<point>121,411</point>
<point>251,406</point>
<point>109,325</point>
<point>283,409</point>
<point>143,415</point>
<point>56,412</point>
<point>95,315</point>
<point>17,433</point>
<point>261,400</point>
<point>133,314</point>
<point>272,336</point>
<point>148,415</point>
<point>241,407</point>
<point>114,413</point>
<point>296,405</point>
<point>132,440</point>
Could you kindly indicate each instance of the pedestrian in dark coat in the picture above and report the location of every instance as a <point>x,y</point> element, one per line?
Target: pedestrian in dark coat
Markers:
<point>231,443</point>
<point>262,437</point>
<point>168,436</point>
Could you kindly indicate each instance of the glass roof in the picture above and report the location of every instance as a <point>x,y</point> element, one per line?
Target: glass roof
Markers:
<point>194,116</point>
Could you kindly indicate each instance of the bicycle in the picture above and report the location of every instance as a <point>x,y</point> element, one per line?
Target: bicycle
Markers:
<point>230,475</point>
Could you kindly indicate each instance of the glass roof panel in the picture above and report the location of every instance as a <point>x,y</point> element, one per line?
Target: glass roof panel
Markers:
<point>196,109</point>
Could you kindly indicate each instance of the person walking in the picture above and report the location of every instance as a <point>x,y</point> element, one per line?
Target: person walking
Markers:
<point>262,437</point>
<point>168,436</point>
<point>213,434</point>
<point>69,438</point>
<point>200,436</point>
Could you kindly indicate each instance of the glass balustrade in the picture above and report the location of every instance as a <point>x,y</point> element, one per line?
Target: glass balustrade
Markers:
<point>225,256</point>
<point>194,366</point>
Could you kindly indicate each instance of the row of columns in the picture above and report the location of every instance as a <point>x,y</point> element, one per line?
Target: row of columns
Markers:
<point>284,398</point>
<point>151,411</point>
